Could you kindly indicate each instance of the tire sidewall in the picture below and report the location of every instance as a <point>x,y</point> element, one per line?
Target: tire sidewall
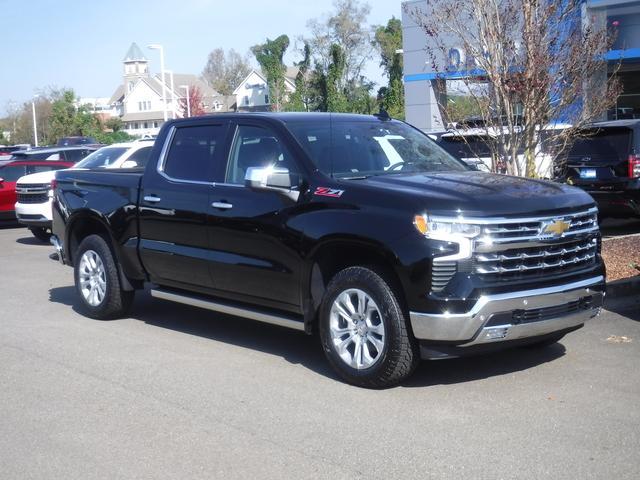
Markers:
<point>372,284</point>
<point>98,245</point>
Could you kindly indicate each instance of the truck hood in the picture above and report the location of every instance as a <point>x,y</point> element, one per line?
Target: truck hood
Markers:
<point>482,194</point>
<point>40,177</point>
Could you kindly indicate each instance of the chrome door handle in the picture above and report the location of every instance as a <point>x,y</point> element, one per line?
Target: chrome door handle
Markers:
<point>152,199</point>
<point>222,205</point>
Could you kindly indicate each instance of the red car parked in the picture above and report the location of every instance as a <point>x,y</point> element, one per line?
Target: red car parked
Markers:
<point>9,175</point>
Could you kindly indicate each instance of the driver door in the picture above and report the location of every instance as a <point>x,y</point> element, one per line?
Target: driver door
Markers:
<point>257,256</point>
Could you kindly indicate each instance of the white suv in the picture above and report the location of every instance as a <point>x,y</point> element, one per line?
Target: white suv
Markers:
<point>34,192</point>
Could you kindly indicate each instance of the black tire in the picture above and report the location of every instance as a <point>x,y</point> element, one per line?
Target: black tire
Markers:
<point>400,354</point>
<point>116,301</point>
<point>547,342</point>
<point>42,234</point>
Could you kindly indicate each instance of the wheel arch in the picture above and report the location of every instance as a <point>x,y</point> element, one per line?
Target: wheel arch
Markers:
<point>85,223</point>
<point>335,254</point>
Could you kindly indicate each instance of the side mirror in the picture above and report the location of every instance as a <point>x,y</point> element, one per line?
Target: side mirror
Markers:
<point>129,164</point>
<point>1,180</point>
<point>272,179</point>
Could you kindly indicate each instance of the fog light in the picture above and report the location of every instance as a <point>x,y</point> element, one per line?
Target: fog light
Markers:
<point>496,333</point>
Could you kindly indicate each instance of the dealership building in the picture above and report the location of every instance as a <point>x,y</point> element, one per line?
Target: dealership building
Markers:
<point>423,85</point>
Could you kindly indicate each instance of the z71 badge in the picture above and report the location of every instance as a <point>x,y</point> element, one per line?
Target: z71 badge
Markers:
<point>328,192</point>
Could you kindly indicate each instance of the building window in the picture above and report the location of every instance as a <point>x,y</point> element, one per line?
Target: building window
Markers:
<point>146,125</point>
<point>245,100</point>
<point>135,125</point>
<point>155,124</point>
<point>266,99</point>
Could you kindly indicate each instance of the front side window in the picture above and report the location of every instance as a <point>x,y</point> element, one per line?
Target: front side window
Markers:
<point>192,150</point>
<point>256,147</point>
<point>346,148</point>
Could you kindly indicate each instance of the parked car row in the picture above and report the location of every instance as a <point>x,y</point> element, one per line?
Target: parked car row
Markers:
<point>604,161</point>
<point>26,182</point>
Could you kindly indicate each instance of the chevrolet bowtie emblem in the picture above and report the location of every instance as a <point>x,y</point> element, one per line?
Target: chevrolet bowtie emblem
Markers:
<point>557,227</point>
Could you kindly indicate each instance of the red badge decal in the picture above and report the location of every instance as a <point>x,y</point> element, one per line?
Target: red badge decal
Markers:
<point>328,192</point>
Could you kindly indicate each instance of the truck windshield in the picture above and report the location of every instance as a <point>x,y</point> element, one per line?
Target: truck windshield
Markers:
<point>102,158</point>
<point>346,149</point>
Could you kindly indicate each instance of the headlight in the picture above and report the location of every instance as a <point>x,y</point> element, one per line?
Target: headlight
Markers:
<point>442,229</point>
<point>449,230</point>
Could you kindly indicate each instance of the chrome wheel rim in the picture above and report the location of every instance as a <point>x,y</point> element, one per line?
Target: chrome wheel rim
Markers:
<point>93,278</point>
<point>357,329</point>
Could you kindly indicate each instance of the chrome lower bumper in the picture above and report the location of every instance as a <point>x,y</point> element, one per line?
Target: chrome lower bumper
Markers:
<point>472,328</point>
<point>59,250</point>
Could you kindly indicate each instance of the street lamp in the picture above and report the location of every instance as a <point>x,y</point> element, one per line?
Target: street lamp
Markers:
<point>173,95</point>
<point>155,46</point>
<point>35,125</point>
<point>186,87</point>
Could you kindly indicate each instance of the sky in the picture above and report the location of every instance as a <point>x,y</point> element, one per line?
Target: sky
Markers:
<point>80,44</point>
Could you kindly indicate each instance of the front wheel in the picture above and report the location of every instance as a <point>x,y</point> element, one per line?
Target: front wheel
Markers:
<point>42,234</point>
<point>98,282</point>
<point>364,331</point>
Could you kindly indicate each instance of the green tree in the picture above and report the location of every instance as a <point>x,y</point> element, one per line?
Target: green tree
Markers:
<point>388,40</point>
<point>336,100</point>
<point>299,101</point>
<point>269,55</point>
<point>67,119</point>
<point>115,124</point>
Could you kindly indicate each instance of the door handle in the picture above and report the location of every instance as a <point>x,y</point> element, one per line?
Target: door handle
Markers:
<point>222,205</point>
<point>152,199</point>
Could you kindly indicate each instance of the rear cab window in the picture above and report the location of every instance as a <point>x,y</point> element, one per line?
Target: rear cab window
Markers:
<point>192,153</point>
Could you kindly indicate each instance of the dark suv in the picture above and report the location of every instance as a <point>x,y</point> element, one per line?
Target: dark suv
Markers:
<point>605,162</point>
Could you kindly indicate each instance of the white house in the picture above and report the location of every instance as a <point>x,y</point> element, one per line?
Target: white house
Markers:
<point>252,95</point>
<point>139,103</point>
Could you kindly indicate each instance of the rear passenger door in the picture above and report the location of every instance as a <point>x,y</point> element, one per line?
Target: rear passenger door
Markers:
<point>255,254</point>
<point>174,204</point>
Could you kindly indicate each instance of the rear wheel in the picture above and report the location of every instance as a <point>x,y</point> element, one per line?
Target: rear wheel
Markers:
<point>364,331</point>
<point>41,233</point>
<point>98,281</point>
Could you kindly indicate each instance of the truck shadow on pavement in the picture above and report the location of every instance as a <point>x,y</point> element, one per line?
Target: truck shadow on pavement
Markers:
<point>300,349</point>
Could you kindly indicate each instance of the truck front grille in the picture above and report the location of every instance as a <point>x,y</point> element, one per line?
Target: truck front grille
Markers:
<point>535,261</point>
<point>536,229</point>
<point>33,193</point>
<point>33,198</point>
<point>528,248</point>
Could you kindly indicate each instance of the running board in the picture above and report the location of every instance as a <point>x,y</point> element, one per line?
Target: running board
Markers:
<point>201,302</point>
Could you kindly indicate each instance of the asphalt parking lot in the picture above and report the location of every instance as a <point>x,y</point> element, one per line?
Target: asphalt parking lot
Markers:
<point>175,392</point>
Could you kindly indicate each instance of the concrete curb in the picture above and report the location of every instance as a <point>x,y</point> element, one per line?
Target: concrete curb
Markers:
<point>623,287</point>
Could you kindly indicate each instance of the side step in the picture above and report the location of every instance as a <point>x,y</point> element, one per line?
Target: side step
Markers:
<point>202,302</point>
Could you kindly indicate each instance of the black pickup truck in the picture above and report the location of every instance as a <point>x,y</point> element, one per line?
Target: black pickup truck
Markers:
<point>358,227</point>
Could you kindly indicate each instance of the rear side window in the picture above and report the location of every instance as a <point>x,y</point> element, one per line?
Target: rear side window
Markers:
<point>140,157</point>
<point>192,152</point>
<point>12,173</point>
<point>75,155</point>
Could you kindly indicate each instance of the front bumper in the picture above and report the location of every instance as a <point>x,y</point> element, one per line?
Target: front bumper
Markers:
<point>34,214</point>
<point>516,315</point>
